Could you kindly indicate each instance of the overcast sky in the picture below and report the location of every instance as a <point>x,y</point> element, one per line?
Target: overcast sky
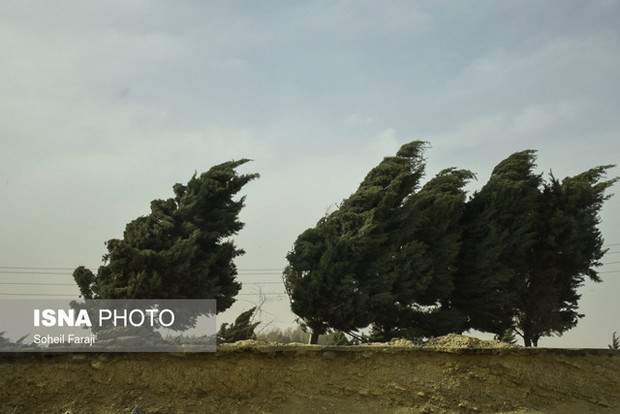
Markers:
<point>105,105</point>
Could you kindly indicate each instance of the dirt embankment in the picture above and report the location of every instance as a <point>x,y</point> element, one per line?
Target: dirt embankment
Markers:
<point>450,375</point>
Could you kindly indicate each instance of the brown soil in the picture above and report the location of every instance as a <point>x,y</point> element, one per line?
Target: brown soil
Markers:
<point>450,375</point>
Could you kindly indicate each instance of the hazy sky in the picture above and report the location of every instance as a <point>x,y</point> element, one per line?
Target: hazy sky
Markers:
<point>105,105</point>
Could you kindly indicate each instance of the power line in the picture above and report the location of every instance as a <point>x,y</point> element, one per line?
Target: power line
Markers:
<point>37,284</point>
<point>241,271</point>
<point>267,272</point>
<point>37,268</point>
<point>73,284</point>
<point>74,295</point>
<point>262,293</point>
<point>261,310</point>
<point>266,269</point>
<point>36,272</point>
<point>33,273</point>
<point>278,269</point>
<point>38,294</point>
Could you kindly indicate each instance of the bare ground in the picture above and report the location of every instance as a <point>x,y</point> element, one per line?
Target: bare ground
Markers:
<point>451,375</point>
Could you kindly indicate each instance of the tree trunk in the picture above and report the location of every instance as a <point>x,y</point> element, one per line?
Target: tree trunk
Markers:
<point>530,339</point>
<point>314,337</point>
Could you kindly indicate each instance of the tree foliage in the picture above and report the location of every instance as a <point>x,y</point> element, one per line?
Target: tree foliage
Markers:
<point>568,250</point>
<point>414,277</point>
<point>386,255</point>
<point>330,273</point>
<point>181,250</point>
<point>339,338</point>
<point>284,336</point>
<point>508,336</point>
<point>529,245</point>
<point>241,329</point>
<point>417,260</point>
<point>500,233</point>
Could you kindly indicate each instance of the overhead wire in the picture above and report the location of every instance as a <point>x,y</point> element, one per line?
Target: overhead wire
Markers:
<point>243,272</point>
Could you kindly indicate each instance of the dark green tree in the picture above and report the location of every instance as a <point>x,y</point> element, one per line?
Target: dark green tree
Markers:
<point>339,338</point>
<point>424,261</point>
<point>182,249</point>
<point>528,246</point>
<point>332,267</point>
<point>415,277</point>
<point>241,329</point>
<point>568,250</point>
<point>500,233</point>
<point>387,256</point>
<point>508,336</point>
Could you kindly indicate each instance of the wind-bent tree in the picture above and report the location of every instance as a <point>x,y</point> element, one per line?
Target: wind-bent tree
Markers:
<point>332,271</point>
<point>242,329</point>
<point>386,257</point>
<point>182,249</point>
<point>528,246</point>
<point>568,249</point>
<point>500,233</point>
<point>414,280</point>
<point>423,261</point>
